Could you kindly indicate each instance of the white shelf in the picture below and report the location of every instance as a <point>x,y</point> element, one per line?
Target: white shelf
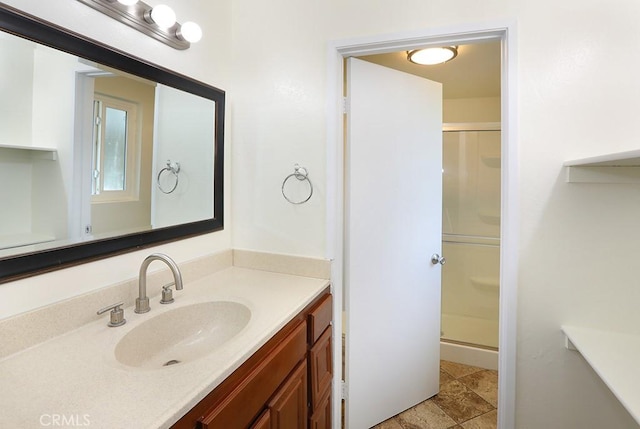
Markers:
<point>614,357</point>
<point>35,151</point>
<point>17,240</point>
<point>620,167</point>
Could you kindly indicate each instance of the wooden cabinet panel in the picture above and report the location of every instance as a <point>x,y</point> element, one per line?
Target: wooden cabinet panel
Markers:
<point>321,418</point>
<point>319,318</point>
<point>289,405</point>
<point>320,358</point>
<point>263,422</point>
<point>246,401</point>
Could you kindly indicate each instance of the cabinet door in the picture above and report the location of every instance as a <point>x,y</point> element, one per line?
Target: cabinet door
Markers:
<point>321,418</point>
<point>263,422</point>
<point>288,407</point>
<point>321,368</point>
<point>246,401</point>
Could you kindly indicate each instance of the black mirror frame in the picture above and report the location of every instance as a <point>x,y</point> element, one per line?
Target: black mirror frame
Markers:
<point>29,27</point>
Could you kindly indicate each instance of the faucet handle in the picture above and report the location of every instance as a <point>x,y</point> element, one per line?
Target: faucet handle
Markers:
<point>167,294</point>
<point>116,315</point>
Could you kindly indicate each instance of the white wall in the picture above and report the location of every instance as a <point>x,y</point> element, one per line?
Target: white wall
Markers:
<point>208,61</point>
<point>482,109</point>
<point>16,66</point>
<point>577,92</point>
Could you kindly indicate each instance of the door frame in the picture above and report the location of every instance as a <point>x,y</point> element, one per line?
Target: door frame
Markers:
<point>340,49</point>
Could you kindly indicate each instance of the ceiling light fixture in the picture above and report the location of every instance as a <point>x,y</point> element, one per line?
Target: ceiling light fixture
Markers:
<point>158,22</point>
<point>431,56</point>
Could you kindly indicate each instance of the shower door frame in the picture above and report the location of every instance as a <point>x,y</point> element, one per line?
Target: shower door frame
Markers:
<point>336,107</point>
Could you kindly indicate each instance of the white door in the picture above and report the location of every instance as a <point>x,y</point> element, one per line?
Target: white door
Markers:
<point>393,227</point>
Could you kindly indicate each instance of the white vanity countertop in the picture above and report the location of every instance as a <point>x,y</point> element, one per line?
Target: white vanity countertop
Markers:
<point>614,357</point>
<point>76,376</point>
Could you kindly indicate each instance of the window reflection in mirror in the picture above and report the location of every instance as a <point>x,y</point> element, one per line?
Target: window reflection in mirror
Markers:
<point>136,127</point>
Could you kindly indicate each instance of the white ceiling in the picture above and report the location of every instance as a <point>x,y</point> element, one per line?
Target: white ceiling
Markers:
<point>475,72</point>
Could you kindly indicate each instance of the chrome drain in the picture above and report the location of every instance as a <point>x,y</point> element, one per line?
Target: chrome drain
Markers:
<point>171,362</point>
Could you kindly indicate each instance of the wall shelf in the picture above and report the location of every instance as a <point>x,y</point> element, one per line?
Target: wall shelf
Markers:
<point>34,151</point>
<point>614,357</point>
<point>620,167</point>
<point>17,240</point>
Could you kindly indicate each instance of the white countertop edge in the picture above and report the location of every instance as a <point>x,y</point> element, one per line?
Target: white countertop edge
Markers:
<point>614,358</point>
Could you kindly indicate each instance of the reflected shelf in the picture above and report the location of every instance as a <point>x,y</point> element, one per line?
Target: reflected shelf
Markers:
<point>24,239</point>
<point>35,151</point>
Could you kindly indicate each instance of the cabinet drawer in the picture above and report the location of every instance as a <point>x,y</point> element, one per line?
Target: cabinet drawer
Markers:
<point>246,401</point>
<point>319,319</point>
<point>320,362</point>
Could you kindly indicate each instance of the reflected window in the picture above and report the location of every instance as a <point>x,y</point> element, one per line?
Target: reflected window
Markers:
<point>115,145</point>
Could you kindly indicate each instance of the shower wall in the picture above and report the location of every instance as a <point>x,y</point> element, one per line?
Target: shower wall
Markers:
<point>471,236</point>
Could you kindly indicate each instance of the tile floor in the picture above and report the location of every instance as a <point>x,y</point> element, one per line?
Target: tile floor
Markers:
<point>468,399</point>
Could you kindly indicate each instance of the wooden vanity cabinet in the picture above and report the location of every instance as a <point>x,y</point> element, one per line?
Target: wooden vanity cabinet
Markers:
<point>286,384</point>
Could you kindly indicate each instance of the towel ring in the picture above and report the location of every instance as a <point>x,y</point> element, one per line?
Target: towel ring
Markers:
<point>301,174</point>
<point>173,168</point>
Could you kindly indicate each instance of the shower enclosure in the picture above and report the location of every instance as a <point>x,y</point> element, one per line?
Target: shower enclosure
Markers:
<point>471,234</point>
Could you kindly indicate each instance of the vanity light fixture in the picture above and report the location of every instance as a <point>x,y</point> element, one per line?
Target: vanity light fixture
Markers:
<point>432,56</point>
<point>158,22</point>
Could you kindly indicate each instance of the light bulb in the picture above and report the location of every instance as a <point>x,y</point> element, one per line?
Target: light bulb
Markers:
<point>128,2</point>
<point>190,31</point>
<point>163,15</point>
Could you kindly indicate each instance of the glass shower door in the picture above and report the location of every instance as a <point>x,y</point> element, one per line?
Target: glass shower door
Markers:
<point>471,237</point>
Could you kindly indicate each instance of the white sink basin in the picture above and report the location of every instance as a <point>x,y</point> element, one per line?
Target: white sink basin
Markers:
<point>182,335</point>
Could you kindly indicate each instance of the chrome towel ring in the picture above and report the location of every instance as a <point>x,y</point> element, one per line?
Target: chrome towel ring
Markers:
<point>301,174</point>
<point>173,168</point>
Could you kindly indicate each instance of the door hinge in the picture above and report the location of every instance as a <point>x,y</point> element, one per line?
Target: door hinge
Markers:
<point>345,105</point>
<point>343,390</point>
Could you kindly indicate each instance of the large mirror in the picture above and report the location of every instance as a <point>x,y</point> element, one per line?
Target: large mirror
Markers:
<point>100,152</point>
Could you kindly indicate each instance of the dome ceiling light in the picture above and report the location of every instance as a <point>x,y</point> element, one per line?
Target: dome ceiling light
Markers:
<point>432,56</point>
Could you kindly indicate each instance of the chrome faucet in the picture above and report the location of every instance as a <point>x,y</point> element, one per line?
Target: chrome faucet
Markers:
<point>142,302</point>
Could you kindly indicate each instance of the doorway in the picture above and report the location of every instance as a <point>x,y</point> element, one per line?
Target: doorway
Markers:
<point>508,250</point>
<point>471,197</point>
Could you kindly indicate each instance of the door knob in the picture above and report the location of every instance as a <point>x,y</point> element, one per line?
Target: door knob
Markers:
<point>437,259</point>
